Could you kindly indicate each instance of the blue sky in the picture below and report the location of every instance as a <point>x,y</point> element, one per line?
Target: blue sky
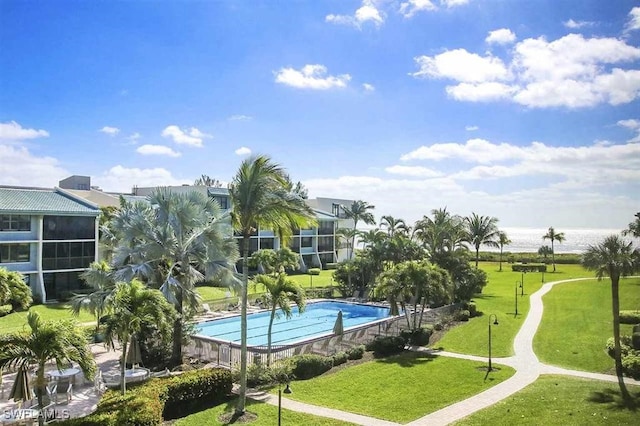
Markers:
<point>527,111</point>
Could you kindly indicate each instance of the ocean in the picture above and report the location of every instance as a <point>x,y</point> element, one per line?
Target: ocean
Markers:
<point>529,240</point>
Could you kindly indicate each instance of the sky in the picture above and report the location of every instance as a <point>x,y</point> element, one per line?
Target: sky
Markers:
<point>528,111</point>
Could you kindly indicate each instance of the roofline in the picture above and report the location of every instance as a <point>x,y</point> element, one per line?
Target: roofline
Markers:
<point>77,198</point>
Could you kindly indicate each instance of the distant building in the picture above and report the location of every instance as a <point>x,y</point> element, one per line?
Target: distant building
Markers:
<point>50,236</point>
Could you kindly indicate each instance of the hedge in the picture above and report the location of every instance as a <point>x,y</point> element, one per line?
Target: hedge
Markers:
<point>629,317</point>
<point>386,345</point>
<point>5,310</point>
<point>314,271</point>
<point>307,366</point>
<point>149,403</point>
<point>529,267</point>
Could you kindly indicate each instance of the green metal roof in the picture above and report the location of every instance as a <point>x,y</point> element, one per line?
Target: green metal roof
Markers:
<point>35,201</point>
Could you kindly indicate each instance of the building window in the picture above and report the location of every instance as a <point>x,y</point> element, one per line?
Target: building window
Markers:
<point>266,243</point>
<point>15,222</point>
<point>14,253</point>
<point>69,228</point>
<point>65,255</point>
<point>307,242</point>
<point>325,227</point>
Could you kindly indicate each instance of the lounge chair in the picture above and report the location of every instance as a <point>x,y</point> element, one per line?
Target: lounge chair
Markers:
<point>355,297</point>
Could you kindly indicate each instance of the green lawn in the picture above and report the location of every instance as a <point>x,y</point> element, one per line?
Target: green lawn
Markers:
<point>577,323</point>
<point>17,320</point>
<point>267,416</point>
<point>558,400</point>
<point>400,388</point>
<point>498,297</point>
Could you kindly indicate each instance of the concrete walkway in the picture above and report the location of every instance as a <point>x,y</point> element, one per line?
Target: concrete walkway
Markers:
<point>528,369</point>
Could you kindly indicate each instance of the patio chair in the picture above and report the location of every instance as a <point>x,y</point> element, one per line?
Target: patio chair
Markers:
<point>63,387</point>
<point>355,297</point>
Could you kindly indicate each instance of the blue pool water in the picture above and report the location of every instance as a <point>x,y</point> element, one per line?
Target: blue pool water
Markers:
<point>316,320</point>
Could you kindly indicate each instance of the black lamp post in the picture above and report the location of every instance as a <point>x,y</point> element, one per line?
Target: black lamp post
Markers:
<point>543,276</point>
<point>495,322</point>
<point>522,284</point>
<point>287,390</point>
<point>517,283</point>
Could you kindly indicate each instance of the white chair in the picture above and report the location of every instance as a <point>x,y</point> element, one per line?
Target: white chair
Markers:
<point>63,387</point>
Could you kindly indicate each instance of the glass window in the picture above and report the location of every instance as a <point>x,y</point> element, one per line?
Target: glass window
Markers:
<point>15,223</point>
<point>307,242</point>
<point>69,228</point>
<point>13,253</point>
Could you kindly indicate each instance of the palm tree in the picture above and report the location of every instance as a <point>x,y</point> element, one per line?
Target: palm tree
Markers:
<point>134,304</point>
<point>206,180</point>
<point>503,240</point>
<point>349,236</point>
<point>394,225</point>
<point>261,194</point>
<point>545,251</point>
<point>445,232</point>
<point>172,242</point>
<point>372,237</point>
<point>553,236</point>
<point>634,227</point>
<point>481,230</point>
<point>59,341</point>
<point>359,211</point>
<point>281,291</point>
<point>100,277</point>
<point>614,258</point>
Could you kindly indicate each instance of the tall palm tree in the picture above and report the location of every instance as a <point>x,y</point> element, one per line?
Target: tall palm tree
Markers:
<point>281,291</point>
<point>100,277</point>
<point>172,242</point>
<point>503,240</point>
<point>394,225</point>
<point>634,227</point>
<point>553,236</point>
<point>372,237</point>
<point>481,230</point>
<point>134,304</point>
<point>262,197</point>
<point>349,236</point>
<point>614,258</point>
<point>59,341</point>
<point>359,211</point>
<point>445,232</point>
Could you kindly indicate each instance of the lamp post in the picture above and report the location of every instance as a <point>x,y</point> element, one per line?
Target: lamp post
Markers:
<point>543,275</point>
<point>522,284</point>
<point>517,283</point>
<point>495,322</point>
<point>287,390</point>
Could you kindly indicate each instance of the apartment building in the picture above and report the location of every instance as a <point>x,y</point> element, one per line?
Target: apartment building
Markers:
<point>48,235</point>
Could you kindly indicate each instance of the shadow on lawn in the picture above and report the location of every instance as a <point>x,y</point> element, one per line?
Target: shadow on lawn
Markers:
<point>408,359</point>
<point>614,400</point>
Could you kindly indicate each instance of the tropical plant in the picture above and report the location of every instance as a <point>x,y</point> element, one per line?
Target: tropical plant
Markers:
<point>553,236</point>
<point>481,230</point>
<point>545,251</point>
<point>442,233</point>
<point>349,236</point>
<point>359,211</point>
<point>172,242</point>
<point>275,261</point>
<point>100,277</point>
<point>133,305</point>
<point>281,291</point>
<point>13,290</point>
<point>261,195</point>
<point>206,180</point>
<point>503,240</point>
<point>614,258</point>
<point>59,341</point>
<point>372,237</point>
<point>634,227</point>
<point>394,225</point>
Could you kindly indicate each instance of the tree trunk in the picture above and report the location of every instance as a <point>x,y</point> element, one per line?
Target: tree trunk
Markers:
<point>176,353</point>
<point>123,366</point>
<point>39,390</point>
<point>615,302</point>
<point>500,258</point>
<point>242,395</point>
<point>477,255</point>
<point>273,315</point>
<point>553,256</point>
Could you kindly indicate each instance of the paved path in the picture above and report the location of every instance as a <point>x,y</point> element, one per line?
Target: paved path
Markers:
<point>528,369</point>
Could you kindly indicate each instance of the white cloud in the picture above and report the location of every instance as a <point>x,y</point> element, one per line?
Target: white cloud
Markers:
<point>416,171</point>
<point>463,66</point>
<point>12,131</point>
<point>571,72</point>
<point>133,138</point>
<point>471,128</point>
<point>193,137</point>
<point>111,131</point>
<point>240,117</point>
<point>501,36</point>
<point>634,20</point>
<point>573,25</point>
<point>157,150</point>
<point>631,124</point>
<point>243,150</point>
<point>474,150</point>
<point>367,12</point>
<point>411,7</point>
<point>311,77</point>
<point>122,179</point>
<point>368,87</point>
<point>22,168</point>
<point>454,3</point>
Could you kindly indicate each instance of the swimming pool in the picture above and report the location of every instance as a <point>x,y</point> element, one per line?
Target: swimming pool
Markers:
<point>316,320</point>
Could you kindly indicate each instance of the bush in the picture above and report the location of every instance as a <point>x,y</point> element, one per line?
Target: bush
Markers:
<point>314,271</point>
<point>356,352</point>
<point>419,337</point>
<point>257,375</point>
<point>5,310</point>
<point>631,364</point>
<point>307,366</point>
<point>386,345</point>
<point>14,290</point>
<point>625,345</point>
<point>339,358</point>
<point>529,267</point>
<point>635,341</point>
<point>629,317</point>
<point>331,266</point>
<point>462,315</point>
<point>472,308</point>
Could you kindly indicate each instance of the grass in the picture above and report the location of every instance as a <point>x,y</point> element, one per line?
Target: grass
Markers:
<point>18,320</point>
<point>498,297</point>
<point>267,416</point>
<point>577,323</point>
<point>558,400</point>
<point>399,388</point>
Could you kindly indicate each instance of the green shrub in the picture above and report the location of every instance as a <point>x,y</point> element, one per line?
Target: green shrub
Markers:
<point>529,267</point>
<point>14,290</point>
<point>636,328</point>
<point>419,337</point>
<point>5,310</point>
<point>314,271</point>
<point>356,352</point>
<point>339,358</point>
<point>472,308</point>
<point>635,341</point>
<point>462,315</point>
<point>258,374</point>
<point>625,345</point>
<point>631,364</point>
<point>386,345</point>
<point>190,388</point>
<point>629,317</point>
<point>307,366</point>
<point>331,266</point>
